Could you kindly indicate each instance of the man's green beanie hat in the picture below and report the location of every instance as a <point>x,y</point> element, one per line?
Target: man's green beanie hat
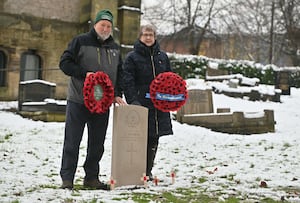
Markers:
<point>104,15</point>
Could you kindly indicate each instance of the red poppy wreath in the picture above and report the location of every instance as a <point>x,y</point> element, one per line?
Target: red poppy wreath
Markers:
<point>98,92</point>
<point>168,92</point>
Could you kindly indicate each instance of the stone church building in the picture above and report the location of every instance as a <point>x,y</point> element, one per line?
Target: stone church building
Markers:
<point>34,34</point>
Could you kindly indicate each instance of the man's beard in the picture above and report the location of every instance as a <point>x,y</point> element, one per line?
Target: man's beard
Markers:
<point>104,36</point>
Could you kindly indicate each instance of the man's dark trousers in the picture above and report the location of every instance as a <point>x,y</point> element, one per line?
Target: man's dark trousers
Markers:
<point>77,115</point>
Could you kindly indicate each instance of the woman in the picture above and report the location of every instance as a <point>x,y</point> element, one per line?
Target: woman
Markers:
<point>141,66</point>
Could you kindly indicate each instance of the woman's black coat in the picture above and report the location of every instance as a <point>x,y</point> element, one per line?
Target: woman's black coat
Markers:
<point>141,66</point>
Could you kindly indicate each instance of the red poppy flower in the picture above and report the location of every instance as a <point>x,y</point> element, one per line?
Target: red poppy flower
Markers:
<point>98,92</point>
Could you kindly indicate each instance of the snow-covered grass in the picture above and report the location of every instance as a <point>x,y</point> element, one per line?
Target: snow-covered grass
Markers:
<point>218,165</point>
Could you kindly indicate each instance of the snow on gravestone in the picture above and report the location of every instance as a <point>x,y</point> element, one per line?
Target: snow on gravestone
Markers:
<point>129,144</point>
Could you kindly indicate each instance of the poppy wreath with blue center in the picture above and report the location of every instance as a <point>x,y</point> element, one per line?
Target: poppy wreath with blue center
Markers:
<point>98,92</point>
<point>168,92</point>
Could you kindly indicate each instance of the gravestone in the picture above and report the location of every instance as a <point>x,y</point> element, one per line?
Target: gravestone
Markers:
<point>199,101</point>
<point>282,81</point>
<point>35,91</point>
<point>215,71</point>
<point>129,144</point>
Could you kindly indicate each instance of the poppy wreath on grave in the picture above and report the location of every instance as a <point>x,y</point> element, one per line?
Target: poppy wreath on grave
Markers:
<point>98,92</point>
<point>168,92</point>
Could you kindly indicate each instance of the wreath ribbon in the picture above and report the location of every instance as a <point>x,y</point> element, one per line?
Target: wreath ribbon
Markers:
<point>98,92</point>
<point>167,97</point>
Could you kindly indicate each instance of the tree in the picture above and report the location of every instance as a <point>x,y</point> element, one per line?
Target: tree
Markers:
<point>274,23</point>
<point>266,31</point>
<point>289,24</point>
<point>175,15</point>
<point>247,23</point>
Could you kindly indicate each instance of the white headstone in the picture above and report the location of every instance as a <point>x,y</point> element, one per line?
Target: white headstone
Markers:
<point>129,144</point>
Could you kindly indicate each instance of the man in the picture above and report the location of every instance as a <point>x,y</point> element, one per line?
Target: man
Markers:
<point>141,66</point>
<point>88,53</point>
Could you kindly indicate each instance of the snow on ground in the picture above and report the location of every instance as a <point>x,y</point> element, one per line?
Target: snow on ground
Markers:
<point>30,155</point>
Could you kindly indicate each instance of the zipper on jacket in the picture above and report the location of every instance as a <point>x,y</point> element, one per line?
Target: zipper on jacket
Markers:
<point>108,56</point>
<point>153,67</point>
<point>154,75</point>
<point>99,56</point>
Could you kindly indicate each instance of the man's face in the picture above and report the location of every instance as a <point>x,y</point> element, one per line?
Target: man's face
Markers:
<point>103,28</point>
<point>148,38</point>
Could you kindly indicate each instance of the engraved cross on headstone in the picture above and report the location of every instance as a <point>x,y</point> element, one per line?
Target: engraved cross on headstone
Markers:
<point>131,149</point>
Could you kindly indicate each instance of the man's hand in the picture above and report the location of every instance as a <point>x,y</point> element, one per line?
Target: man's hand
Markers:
<point>119,101</point>
<point>88,73</point>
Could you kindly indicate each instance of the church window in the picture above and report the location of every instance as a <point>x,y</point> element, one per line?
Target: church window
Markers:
<point>3,70</point>
<point>30,66</point>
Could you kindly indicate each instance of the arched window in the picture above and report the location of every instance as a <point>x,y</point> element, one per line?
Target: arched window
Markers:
<point>3,70</point>
<point>30,66</point>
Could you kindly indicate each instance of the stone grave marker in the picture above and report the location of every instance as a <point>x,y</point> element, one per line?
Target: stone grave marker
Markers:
<point>282,81</point>
<point>199,101</point>
<point>215,71</point>
<point>35,91</point>
<point>129,144</point>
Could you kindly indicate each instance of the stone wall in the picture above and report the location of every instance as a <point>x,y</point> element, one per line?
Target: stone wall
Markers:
<point>66,10</point>
<point>233,123</point>
<point>47,38</point>
<point>46,28</point>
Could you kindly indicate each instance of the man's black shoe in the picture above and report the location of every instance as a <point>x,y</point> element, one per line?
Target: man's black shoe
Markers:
<point>67,184</point>
<point>95,184</point>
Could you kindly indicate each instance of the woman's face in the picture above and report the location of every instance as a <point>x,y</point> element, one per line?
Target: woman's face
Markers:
<point>148,38</point>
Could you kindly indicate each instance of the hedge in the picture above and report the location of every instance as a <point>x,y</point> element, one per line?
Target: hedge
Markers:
<point>190,66</point>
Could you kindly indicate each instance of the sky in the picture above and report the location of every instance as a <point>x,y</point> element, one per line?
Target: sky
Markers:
<point>232,164</point>
<point>148,3</point>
